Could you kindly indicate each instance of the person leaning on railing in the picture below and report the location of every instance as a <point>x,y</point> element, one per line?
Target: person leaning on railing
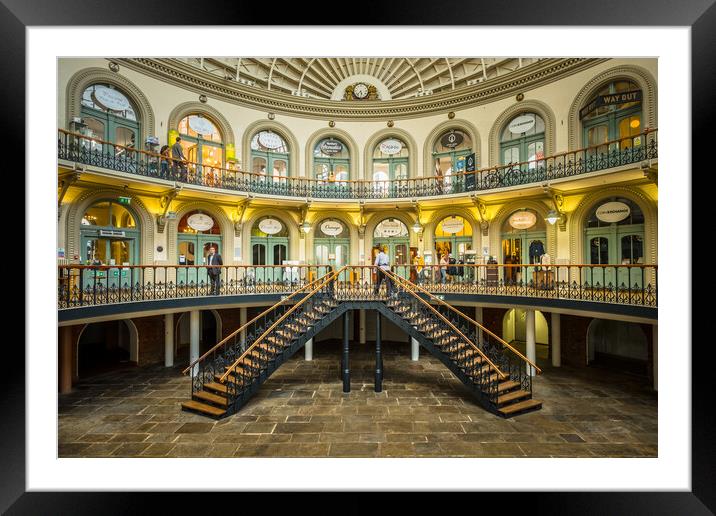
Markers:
<point>179,160</point>
<point>164,163</point>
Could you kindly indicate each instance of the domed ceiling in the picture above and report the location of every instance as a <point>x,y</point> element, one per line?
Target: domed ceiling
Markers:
<point>359,78</point>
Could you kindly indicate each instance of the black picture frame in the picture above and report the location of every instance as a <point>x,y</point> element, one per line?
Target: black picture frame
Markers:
<point>700,16</point>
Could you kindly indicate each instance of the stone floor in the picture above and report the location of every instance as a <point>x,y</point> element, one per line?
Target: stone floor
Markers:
<point>301,411</point>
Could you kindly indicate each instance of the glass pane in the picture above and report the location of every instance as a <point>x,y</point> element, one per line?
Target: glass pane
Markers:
<point>535,153</point>
<point>401,171</point>
<point>340,255</point>
<point>198,126</point>
<point>401,254</point>
<point>258,254</point>
<point>465,144</point>
<point>211,156</point>
<point>599,251</point>
<point>97,215</point>
<point>121,252</point>
<point>321,254</point>
<point>597,135</point>
<point>121,217</point>
<point>279,254</point>
<point>280,169</point>
<point>186,253</point>
<point>126,137</point>
<point>109,100</point>
<point>341,172</point>
<point>96,252</point>
<point>632,249</point>
<point>259,166</point>
<point>511,155</point>
<point>95,128</point>
<point>332,145</point>
<point>320,171</point>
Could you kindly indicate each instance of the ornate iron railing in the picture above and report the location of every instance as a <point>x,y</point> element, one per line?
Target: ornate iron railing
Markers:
<point>99,153</point>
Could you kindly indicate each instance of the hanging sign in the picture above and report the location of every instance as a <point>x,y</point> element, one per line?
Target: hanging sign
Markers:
<point>389,228</point>
<point>270,140</point>
<point>200,222</point>
<point>523,219</point>
<point>613,211</point>
<point>453,225</point>
<point>451,140</point>
<point>610,100</point>
<point>201,125</point>
<point>521,124</point>
<point>331,227</point>
<point>60,252</point>
<point>470,179</point>
<point>391,146</point>
<point>331,147</point>
<point>110,99</point>
<point>270,226</point>
<point>111,233</point>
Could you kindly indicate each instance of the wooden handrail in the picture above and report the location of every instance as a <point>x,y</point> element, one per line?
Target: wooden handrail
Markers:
<point>502,375</point>
<point>480,326</point>
<point>177,266</point>
<point>333,275</point>
<point>236,332</point>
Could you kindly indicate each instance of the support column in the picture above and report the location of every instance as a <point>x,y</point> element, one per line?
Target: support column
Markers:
<point>531,344</point>
<point>168,340</point>
<point>308,348</point>
<point>414,349</point>
<point>243,318</point>
<point>378,355</point>
<point>556,341</point>
<point>655,338</point>
<point>194,320</point>
<point>479,318</point>
<point>65,359</point>
<point>345,367</point>
<point>361,332</point>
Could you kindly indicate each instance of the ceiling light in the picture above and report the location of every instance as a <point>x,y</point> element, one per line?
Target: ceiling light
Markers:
<point>552,217</point>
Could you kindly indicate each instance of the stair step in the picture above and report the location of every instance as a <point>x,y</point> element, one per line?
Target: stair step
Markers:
<point>531,404</point>
<point>512,396</point>
<point>211,398</point>
<point>216,387</point>
<point>203,408</point>
<point>507,385</point>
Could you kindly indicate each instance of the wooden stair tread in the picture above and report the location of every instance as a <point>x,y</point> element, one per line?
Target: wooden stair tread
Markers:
<point>216,386</point>
<point>522,405</point>
<point>507,385</point>
<point>203,407</point>
<point>511,396</point>
<point>213,398</point>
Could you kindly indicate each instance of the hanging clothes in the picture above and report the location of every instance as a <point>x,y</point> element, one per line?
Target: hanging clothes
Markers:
<point>536,250</point>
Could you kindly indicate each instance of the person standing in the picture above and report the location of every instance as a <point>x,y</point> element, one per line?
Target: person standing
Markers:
<point>179,160</point>
<point>443,268</point>
<point>164,161</point>
<point>383,264</point>
<point>214,259</point>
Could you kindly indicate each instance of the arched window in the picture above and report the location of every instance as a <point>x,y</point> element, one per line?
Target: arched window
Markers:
<point>449,153</point>
<point>270,156</point>
<point>522,140</point>
<point>269,242</point>
<point>201,142</point>
<point>393,234</point>
<point>613,113</point>
<point>197,232</point>
<point>453,236</point>
<point>108,114</point>
<point>331,161</point>
<point>331,244</point>
<point>109,235</point>
<point>390,162</point>
<point>524,241</point>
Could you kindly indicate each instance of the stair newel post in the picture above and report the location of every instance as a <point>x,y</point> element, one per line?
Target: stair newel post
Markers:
<point>378,354</point>
<point>345,367</point>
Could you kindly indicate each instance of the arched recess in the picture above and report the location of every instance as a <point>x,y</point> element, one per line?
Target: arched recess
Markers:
<point>508,209</point>
<point>639,75</point>
<point>189,108</point>
<point>648,208</point>
<point>80,81</point>
<point>439,215</point>
<point>285,216</point>
<point>133,345</point>
<point>77,209</point>
<point>378,217</point>
<point>316,218</point>
<point>390,132</point>
<point>624,341</point>
<point>532,106</point>
<point>227,230</point>
<point>456,123</point>
<point>343,135</point>
<point>276,127</point>
<point>177,327</point>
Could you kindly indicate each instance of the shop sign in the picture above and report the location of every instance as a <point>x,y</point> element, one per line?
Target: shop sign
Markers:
<point>523,219</point>
<point>391,146</point>
<point>331,147</point>
<point>111,233</point>
<point>331,228</point>
<point>613,211</point>
<point>270,140</point>
<point>470,179</point>
<point>522,124</point>
<point>60,252</point>
<point>200,222</point>
<point>451,140</point>
<point>270,226</point>
<point>610,100</point>
<point>453,225</point>
<point>201,125</point>
<point>111,99</point>
<point>391,227</point>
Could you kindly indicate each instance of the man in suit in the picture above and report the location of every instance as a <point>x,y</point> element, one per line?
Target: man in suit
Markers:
<point>214,272</point>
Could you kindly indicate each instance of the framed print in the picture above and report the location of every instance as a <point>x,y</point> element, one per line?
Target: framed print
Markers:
<point>269,254</point>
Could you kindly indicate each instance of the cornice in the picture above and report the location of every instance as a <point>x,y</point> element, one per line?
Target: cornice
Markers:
<point>193,79</point>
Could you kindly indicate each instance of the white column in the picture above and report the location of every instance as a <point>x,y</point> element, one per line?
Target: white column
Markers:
<point>478,318</point>
<point>309,349</point>
<point>655,337</point>
<point>531,344</point>
<point>302,247</point>
<point>168,340</point>
<point>556,340</point>
<point>361,321</point>
<point>414,349</point>
<point>194,321</point>
<point>242,320</point>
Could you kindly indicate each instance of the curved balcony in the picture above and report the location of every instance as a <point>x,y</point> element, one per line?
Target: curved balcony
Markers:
<point>99,153</point>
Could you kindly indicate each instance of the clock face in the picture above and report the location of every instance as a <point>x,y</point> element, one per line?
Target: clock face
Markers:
<point>360,90</point>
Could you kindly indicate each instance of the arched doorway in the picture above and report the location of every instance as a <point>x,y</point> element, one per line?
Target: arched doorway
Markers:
<point>209,332</point>
<point>514,331</point>
<point>203,144</point>
<point>331,245</point>
<point>618,346</point>
<point>450,151</point>
<point>524,241</point>
<point>269,246</point>
<point>196,233</point>
<point>393,234</point>
<point>270,157</point>
<point>453,242</point>
<point>390,163</point>
<point>109,115</point>
<point>106,346</point>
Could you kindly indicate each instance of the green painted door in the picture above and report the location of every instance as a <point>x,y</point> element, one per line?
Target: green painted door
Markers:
<point>269,251</point>
<point>193,250</point>
<point>334,252</point>
<point>398,253</point>
<point>615,245</point>
<point>103,250</point>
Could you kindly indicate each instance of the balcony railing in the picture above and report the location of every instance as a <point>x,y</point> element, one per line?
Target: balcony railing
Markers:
<point>99,153</point>
<point>83,285</point>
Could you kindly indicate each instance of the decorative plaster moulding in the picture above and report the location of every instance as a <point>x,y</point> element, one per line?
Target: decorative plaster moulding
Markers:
<point>530,77</point>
